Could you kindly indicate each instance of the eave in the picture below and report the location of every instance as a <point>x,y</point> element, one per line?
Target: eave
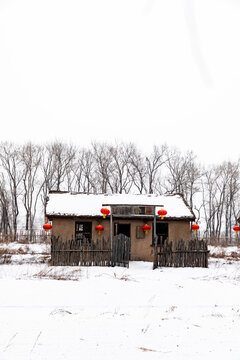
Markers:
<point>121,217</point>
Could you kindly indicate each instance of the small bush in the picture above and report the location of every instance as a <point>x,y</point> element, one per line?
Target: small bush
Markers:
<point>3,251</point>
<point>220,255</point>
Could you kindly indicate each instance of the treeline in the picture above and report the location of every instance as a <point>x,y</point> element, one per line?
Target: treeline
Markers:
<point>30,171</point>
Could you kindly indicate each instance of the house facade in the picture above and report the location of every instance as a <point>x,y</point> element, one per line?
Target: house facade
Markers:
<point>77,216</point>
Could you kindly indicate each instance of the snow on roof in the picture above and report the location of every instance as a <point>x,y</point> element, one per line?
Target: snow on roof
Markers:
<point>70,204</point>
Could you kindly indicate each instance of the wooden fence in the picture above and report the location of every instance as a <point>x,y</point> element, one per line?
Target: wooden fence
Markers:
<point>120,250</point>
<point>85,253</point>
<point>26,237</point>
<point>193,253</point>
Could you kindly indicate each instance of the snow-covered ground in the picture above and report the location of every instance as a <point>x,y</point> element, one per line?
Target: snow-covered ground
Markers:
<point>118,313</point>
<point>18,253</point>
<point>224,251</point>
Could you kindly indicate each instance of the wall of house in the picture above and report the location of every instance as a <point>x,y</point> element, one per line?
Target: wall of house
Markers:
<point>63,227</point>
<point>140,249</point>
<point>179,230</point>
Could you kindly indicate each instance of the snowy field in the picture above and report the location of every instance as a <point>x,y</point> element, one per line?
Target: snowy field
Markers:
<point>116,313</point>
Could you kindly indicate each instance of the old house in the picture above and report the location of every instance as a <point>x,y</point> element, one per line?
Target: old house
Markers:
<point>77,216</point>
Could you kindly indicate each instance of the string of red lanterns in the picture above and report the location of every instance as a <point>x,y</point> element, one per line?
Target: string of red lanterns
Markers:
<point>146,228</point>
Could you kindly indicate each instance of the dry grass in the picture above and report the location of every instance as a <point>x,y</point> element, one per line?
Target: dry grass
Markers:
<point>4,251</point>
<point>146,350</point>
<point>123,277</point>
<point>220,255</point>
<point>5,259</point>
<point>19,251</point>
<point>23,251</point>
<point>22,254</point>
<point>59,274</point>
<point>233,256</point>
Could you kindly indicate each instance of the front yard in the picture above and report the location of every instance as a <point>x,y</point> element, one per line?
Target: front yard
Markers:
<point>105,313</point>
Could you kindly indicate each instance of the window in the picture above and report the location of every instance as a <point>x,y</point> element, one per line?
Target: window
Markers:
<point>83,230</point>
<point>132,210</point>
<point>140,234</point>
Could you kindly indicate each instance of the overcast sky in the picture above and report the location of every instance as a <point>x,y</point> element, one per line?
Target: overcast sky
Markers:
<point>147,71</point>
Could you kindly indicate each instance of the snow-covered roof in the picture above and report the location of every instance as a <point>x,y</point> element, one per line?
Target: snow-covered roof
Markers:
<point>70,204</point>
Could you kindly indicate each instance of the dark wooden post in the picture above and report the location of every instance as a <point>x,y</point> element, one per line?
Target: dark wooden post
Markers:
<point>155,260</point>
<point>111,236</point>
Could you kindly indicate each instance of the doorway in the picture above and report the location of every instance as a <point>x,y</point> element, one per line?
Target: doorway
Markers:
<point>161,232</point>
<point>122,229</point>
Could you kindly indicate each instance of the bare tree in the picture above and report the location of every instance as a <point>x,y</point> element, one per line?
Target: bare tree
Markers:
<point>120,180</point>
<point>193,177</point>
<point>209,195</point>
<point>89,173</point>
<point>47,173</point>
<point>176,164</point>
<point>154,162</point>
<point>184,174</point>
<point>78,171</point>
<point>63,155</point>
<point>104,165</point>
<point>220,190</point>
<point>31,161</point>
<point>138,169</point>
<point>11,163</point>
<point>5,225</point>
<point>231,184</point>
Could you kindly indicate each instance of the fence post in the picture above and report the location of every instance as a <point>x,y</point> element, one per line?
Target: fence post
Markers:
<point>155,260</point>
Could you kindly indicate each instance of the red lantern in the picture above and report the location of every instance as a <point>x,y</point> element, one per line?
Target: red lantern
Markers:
<point>146,228</point>
<point>195,227</point>
<point>99,229</point>
<point>105,212</point>
<point>47,227</point>
<point>237,229</point>
<point>162,213</point>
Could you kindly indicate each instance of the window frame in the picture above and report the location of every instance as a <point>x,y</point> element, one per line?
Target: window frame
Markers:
<point>86,235</point>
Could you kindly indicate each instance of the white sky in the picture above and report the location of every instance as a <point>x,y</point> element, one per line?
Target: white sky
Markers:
<point>147,71</point>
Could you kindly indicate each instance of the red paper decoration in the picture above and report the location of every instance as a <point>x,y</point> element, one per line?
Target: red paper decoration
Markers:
<point>99,229</point>
<point>195,227</point>
<point>105,212</point>
<point>146,228</point>
<point>162,213</point>
<point>237,229</point>
<point>47,227</point>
